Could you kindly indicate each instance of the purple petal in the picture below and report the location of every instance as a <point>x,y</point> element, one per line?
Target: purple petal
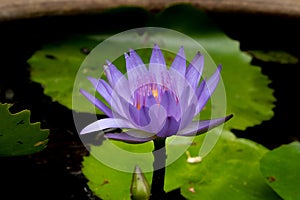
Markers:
<point>209,89</point>
<point>129,63</point>
<point>102,88</point>
<point>137,61</point>
<point>200,89</point>
<point>187,116</point>
<point>179,63</point>
<point>157,56</point>
<point>139,116</point>
<point>121,92</point>
<point>187,98</point>
<point>194,71</point>
<point>170,128</point>
<point>196,128</point>
<point>112,73</point>
<point>134,61</point>
<point>106,123</point>
<point>136,69</point>
<point>106,110</point>
<point>132,73</point>
<point>158,117</point>
<point>131,136</point>
<point>157,61</point>
<point>168,101</point>
<point>120,107</point>
<point>150,101</point>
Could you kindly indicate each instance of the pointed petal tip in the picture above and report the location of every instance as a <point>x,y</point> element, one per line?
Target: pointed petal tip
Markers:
<point>126,55</point>
<point>156,46</point>
<point>82,132</point>
<point>204,126</point>
<point>136,57</point>
<point>181,51</point>
<point>108,62</point>
<point>228,117</point>
<point>85,131</point>
<point>198,54</point>
<point>131,51</point>
<point>91,79</point>
<point>82,91</point>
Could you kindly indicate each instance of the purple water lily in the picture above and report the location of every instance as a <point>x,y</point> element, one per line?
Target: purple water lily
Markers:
<point>155,101</point>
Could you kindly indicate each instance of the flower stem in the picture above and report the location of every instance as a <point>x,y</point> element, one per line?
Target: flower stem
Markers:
<point>158,179</point>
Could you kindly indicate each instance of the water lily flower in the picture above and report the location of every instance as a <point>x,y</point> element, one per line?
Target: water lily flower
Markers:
<point>154,101</point>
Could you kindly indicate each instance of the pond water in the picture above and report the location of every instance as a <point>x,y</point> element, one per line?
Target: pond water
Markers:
<point>55,173</point>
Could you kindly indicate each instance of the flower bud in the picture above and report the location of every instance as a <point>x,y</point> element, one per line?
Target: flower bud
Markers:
<point>140,189</point>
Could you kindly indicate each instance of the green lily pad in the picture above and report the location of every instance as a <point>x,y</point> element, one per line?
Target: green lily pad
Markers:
<point>280,168</point>
<point>248,96</point>
<point>105,180</point>
<point>18,136</point>
<point>280,57</point>
<point>56,66</point>
<point>231,170</point>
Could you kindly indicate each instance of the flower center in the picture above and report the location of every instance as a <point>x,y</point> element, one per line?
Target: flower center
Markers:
<point>143,93</point>
<point>151,88</point>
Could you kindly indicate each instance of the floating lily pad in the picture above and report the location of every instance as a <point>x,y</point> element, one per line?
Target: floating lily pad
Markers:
<point>18,136</point>
<point>56,66</point>
<point>106,181</point>
<point>248,96</point>
<point>230,171</point>
<point>280,168</point>
<point>280,57</point>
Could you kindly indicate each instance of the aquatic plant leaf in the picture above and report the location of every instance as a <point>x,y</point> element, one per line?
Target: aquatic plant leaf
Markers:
<point>280,57</point>
<point>280,168</point>
<point>230,171</point>
<point>18,136</point>
<point>107,182</point>
<point>56,65</point>
<point>248,96</point>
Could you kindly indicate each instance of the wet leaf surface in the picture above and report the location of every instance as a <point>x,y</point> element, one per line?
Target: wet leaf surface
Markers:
<point>280,168</point>
<point>18,136</point>
<point>231,170</point>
